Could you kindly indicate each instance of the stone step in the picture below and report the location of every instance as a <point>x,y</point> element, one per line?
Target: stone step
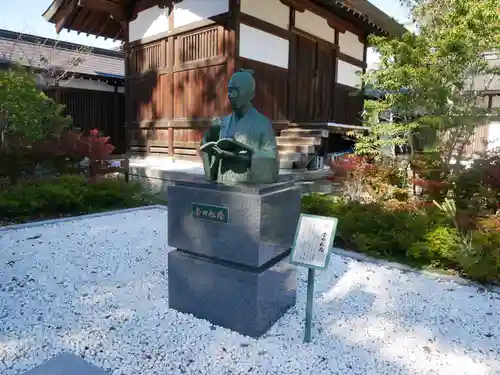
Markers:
<point>285,164</point>
<point>321,186</point>
<point>298,141</point>
<point>305,149</point>
<point>300,132</point>
<point>291,156</point>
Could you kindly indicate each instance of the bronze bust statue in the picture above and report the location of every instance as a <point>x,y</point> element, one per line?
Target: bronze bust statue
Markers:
<point>241,147</point>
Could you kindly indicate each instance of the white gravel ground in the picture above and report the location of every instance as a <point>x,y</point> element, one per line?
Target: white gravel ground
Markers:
<point>98,287</point>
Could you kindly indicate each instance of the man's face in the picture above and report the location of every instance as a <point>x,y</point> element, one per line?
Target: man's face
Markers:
<point>237,93</point>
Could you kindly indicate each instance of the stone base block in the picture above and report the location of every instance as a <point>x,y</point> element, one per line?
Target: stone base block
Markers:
<point>243,299</point>
<point>66,364</point>
<point>245,224</point>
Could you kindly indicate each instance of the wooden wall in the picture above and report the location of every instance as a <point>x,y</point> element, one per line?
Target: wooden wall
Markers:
<point>313,77</point>
<point>92,109</point>
<point>309,91</point>
<point>347,108</point>
<point>271,92</point>
<point>177,80</point>
<point>175,86</point>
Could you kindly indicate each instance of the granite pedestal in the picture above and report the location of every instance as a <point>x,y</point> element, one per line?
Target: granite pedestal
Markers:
<point>232,242</point>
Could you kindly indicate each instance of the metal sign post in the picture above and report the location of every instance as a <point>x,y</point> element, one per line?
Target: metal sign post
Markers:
<point>312,248</point>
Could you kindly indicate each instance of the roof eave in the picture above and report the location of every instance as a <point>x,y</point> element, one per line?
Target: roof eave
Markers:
<point>55,12</point>
<point>378,21</point>
<point>52,9</point>
<point>382,20</point>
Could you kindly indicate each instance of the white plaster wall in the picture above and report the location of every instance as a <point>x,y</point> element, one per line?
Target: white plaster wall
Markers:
<point>190,11</point>
<point>149,22</point>
<point>347,74</point>
<point>264,47</point>
<point>493,135</point>
<point>482,102</point>
<point>272,11</point>
<point>89,85</point>
<point>314,25</point>
<point>495,102</point>
<point>489,82</point>
<point>350,45</point>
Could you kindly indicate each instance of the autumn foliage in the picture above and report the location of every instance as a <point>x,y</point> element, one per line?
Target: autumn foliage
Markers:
<point>62,153</point>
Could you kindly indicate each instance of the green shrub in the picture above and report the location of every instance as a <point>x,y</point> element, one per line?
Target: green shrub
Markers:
<point>375,230</point>
<point>370,228</point>
<point>438,248</point>
<point>482,261</point>
<point>417,234</point>
<point>66,195</point>
<point>477,189</point>
<point>318,204</point>
<point>112,193</point>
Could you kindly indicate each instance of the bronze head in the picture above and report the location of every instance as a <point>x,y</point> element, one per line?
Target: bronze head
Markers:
<point>241,89</point>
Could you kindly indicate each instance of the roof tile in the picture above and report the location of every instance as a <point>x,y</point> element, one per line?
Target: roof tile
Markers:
<point>44,53</point>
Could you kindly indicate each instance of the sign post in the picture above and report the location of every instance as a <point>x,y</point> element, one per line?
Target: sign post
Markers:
<point>312,248</point>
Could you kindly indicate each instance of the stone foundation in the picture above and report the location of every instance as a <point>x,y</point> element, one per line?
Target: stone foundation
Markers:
<point>231,263</point>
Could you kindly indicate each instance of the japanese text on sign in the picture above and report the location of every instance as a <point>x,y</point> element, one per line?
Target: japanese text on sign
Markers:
<point>211,213</point>
<point>313,240</point>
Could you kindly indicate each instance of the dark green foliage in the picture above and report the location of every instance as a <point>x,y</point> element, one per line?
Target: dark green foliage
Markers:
<point>66,195</point>
<point>483,262</point>
<point>370,228</point>
<point>29,114</point>
<point>477,189</point>
<point>420,236</point>
<point>439,247</point>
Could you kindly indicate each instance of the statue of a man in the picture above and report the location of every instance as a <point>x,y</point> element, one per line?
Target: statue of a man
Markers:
<point>241,147</point>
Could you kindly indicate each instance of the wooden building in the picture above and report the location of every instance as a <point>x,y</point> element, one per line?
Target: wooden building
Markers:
<point>89,82</point>
<point>487,136</point>
<point>306,55</point>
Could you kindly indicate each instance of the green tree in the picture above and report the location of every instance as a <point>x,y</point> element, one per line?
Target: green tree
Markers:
<point>428,77</point>
<point>28,115</point>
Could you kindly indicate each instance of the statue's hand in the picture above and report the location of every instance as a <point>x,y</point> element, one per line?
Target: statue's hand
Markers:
<point>241,155</point>
<point>222,153</point>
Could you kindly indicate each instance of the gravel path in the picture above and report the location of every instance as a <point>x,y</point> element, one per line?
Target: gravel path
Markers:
<point>98,287</point>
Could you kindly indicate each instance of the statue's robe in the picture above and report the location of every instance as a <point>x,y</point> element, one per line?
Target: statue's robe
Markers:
<point>254,130</point>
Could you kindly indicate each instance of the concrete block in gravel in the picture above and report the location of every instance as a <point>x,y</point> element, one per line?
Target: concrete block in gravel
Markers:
<point>66,364</point>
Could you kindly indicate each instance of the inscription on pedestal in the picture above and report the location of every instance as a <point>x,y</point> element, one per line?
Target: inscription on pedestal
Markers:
<point>210,213</point>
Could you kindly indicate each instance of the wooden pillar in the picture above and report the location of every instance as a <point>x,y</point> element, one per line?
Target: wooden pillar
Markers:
<point>128,105</point>
<point>57,93</point>
<point>170,133</point>
<point>116,115</point>
<point>365,53</point>
<point>170,59</point>
<point>292,67</point>
<point>335,75</point>
<point>233,40</point>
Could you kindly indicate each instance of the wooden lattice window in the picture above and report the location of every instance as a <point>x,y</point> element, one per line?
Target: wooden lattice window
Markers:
<point>146,58</point>
<point>201,45</point>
